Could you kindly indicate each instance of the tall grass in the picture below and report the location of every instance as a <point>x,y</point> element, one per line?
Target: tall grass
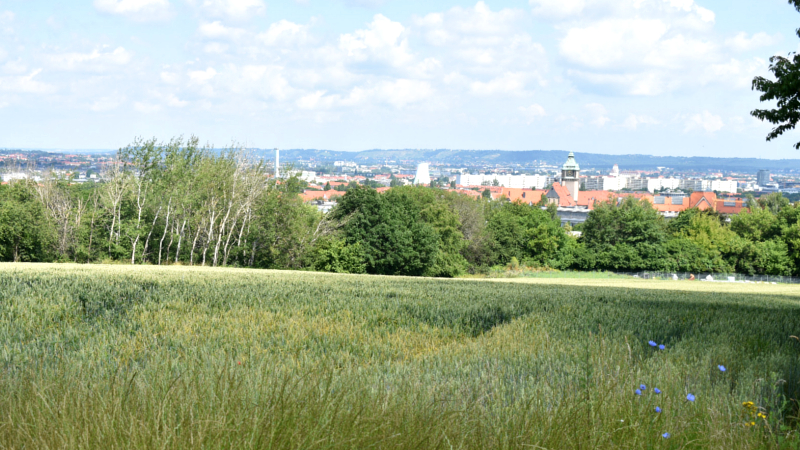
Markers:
<point>122,357</point>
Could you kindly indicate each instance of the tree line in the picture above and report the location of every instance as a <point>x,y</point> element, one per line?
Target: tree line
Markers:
<point>182,203</point>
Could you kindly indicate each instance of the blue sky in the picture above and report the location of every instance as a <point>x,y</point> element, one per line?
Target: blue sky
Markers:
<point>663,77</point>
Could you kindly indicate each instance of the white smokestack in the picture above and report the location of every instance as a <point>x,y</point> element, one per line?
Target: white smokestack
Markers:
<point>277,163</point>
<point>423,175</point>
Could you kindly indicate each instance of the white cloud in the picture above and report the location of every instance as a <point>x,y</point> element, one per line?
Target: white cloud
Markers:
<point>646,83</point>
<point>142,10</point>
<point>175,102</point>
<point>216,30</point>
<point>557,8</point>
<point>637,47</point>
<point>146,108</point>
<point>633,121</point>
<point>265,81</point>
<point>479,43</point>
<point>107,103</point>
<point>401,93</point>
<point>202,76</point>
<point>364,3</point>
<point>6,17</point>
<point>384,40</point>
<point>169,77</point>
<point>509,83</point>
<point>704,121</point>
<point>317,100</point>
<point>201,80</point>
<point>231,9</point>
<point>533,112</point>
<point>26,84</point>
<point>398,94</point>
<point>598,114</point>
<point>216,48</point>
<point>742,43</point>
<point>736,73</point>
<point>628,43</point>
<point>98,60</point>
<point>693,14</point>
<point>285,33</point>
<point>16,67</point>
<point>477,23</point>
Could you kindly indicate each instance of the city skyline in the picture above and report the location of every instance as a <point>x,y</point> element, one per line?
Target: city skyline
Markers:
<point>660,77</point>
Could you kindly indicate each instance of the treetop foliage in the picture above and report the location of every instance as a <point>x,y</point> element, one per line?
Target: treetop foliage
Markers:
<point>785,91</point>
<point>182,203</point>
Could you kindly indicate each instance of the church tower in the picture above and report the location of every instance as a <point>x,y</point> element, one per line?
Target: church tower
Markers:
<point>570,176</point>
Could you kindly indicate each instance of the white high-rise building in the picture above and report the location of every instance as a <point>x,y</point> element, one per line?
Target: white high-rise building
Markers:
<point>423,176</point>
<point>605,183</point>
<point>661,184</point>
<point>509,181</point>
<point>724,186</point>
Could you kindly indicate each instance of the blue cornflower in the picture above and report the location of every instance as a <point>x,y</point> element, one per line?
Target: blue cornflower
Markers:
<point>657,390</point>
<point>658,410</point>
<point>665,435</point>
<point>643,387</point>
<point>690,397</point>
<point>661,347</point>
<point>637,392</point>
<point>721,368</point>
<point>652,343</point>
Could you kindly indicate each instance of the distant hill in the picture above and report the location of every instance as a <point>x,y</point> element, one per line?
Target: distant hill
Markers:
<point>508,158</point>
<point>552,157</point>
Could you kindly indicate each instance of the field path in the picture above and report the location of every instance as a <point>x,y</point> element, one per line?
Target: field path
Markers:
<point>787,290</point>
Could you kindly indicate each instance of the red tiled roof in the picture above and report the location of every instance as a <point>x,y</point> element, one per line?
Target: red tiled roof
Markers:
<point>703,200</point>
<point>589,198</point>
<point>470,192</point>
<point>564,198</point>
<point>320,195</point>
<point>523,195</point>
<point>670,206</point>
<point>739,205</point>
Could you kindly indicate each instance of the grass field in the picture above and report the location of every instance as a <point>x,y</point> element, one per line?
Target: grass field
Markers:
<point>142,357</point>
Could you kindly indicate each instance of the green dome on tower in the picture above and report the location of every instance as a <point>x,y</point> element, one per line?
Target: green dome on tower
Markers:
<point>570,164</point>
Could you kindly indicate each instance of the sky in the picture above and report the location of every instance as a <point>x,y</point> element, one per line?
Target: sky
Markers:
<point>661,77</point>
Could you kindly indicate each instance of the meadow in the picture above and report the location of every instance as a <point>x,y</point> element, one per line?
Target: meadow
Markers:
<point>148,357</point>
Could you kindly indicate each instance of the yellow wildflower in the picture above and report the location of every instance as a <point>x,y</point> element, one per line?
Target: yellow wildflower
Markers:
<point>762,416</point>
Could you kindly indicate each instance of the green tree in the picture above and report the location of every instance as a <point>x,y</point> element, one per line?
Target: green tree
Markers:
<point>327,186</point>
<point>283,228</point>
<point>785,91</point>
<point>335,255</point>
<point>624,236</point>
<point>25,232</point>
<point>756,224</point>
<point>395,240</point>
<point>527,233</point>
<point>436,210</point>
<point>773,202</point>
<point>702,243</point>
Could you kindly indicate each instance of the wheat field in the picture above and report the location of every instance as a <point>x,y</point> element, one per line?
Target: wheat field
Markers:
<point>128,357</point>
